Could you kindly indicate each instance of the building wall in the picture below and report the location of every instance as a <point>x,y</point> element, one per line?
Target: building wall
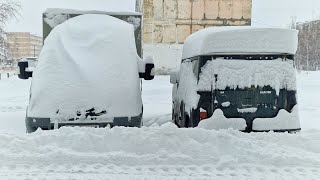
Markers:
<point>23,44</point>
<point>171,21</point>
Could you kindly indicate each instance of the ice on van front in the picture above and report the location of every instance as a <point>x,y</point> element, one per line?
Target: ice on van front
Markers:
<point>247,73</point>
<point>88,74</point>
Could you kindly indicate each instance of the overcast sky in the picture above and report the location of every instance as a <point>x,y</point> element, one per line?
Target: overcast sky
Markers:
<point>273,13</point>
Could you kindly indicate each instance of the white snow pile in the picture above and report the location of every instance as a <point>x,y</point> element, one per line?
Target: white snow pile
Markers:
<point>225,104</point>
<point>54,20</point>
<point>87,64</point>
<point>219,121</point>
<point>235,40</point>
<point>284,120</point>
<point>167,57</point>
<point>187,90</point>
<point>166,150</point>
<point>235,73</point>
<point>56,16</point>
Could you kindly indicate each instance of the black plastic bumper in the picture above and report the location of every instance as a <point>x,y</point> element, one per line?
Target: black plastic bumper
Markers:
<point>46,124</point>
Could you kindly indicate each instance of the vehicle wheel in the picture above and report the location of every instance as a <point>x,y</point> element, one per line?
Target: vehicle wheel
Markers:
<point>30,129</point>
<point>187,121</point>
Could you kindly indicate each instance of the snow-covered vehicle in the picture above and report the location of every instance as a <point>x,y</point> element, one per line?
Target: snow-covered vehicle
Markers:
<point>237,77</point>
<point>88,75</point>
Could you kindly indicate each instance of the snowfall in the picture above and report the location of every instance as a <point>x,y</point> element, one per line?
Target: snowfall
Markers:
<point>159,150</point>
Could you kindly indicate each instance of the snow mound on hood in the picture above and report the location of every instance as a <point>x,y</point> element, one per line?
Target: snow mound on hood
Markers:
<point>89,61</point>
<point>217,40</point>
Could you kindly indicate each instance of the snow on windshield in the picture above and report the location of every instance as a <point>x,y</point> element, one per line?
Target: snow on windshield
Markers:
<point>187,90</point>
<point>89,61</point>
<point>279,74</point>
<point>247,40</point>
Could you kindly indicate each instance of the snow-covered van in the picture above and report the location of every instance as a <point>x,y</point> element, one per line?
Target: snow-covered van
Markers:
<point>242,78</point>
<point>88,74</point>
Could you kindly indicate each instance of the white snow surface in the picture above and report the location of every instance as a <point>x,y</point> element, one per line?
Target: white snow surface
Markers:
<point>218,121</point>
<point>187,90</point>
<point>157,152</point>
<point>167,57</point>
<point>284,120</point>
<point>225,104</point>
<point>54,20</point>
<point>56,11</point>
<point>87,64</point>
<point>56,16</point>
<point>246,73</point>
<point>160,153</point>
<point>240,40</point>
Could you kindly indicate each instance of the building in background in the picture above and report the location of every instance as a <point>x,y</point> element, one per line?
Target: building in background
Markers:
<point>172,21</point>
<point>23,44</point>
<point>167,23</point>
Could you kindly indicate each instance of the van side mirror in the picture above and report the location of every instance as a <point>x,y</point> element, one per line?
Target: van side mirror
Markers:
<point>23,71</point>
<point>174,77</point>
<point>147,69</point>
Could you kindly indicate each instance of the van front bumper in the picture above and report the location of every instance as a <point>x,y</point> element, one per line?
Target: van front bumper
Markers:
<point>47,124</point>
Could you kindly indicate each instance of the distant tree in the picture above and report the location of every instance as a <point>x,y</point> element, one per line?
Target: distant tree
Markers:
<point>9,9</point>
<point>308,54</point>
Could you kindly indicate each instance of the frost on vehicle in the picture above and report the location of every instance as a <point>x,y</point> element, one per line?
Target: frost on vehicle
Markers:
<point>91,68</point>
<point>243,73</point>
<point>53,17</point>
<point>187,90</point>
<point>237,73</point>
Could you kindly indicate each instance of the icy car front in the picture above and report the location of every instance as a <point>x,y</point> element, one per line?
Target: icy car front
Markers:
<point>87,75</point>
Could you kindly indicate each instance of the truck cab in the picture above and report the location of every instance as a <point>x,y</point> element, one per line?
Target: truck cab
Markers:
<point>88,74</point>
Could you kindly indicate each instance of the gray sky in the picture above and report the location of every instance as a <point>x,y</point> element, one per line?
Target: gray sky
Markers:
<point>275,13</point>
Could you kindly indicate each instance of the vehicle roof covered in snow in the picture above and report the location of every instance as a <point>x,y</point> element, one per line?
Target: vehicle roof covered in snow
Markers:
<point>73,11</point>
<point>240,40</point>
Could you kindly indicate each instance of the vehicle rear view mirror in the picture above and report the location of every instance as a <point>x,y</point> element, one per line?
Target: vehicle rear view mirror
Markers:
<point>174,77</point>
<point>149,68</point>
<point>23,70</point>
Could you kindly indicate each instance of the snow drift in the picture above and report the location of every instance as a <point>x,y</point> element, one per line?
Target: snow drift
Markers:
<point>84,64</point>
<point>165,150</point>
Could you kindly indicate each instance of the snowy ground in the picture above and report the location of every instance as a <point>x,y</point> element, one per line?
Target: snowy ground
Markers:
<point>157,152</point>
